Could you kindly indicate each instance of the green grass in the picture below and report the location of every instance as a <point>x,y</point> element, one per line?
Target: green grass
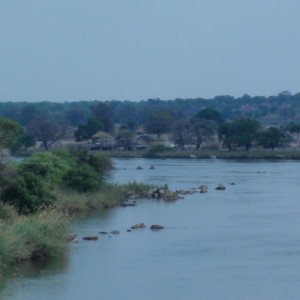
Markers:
<point>109,195</point>
<point>40,234</point>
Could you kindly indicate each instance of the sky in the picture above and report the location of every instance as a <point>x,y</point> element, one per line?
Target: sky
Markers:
<point>71,50</point>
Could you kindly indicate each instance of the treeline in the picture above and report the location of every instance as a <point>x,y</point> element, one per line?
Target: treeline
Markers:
<point>272,110</point>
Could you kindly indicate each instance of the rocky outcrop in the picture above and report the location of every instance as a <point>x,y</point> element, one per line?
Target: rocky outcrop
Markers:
<point>115,232</point>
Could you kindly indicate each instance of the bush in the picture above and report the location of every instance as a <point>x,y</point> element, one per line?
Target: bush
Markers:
<point>100,162</point>
<point>83,179</point>
<point>47,165</point>
<point>27,193</point>
<point>155,150</point>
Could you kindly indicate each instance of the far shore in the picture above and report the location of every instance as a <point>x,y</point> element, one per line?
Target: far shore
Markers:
<point>277,154</point>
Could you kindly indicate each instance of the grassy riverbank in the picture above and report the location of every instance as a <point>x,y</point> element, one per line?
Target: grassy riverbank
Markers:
<point>45,232</point>
<point>38,194</point>
<point>25,237</point>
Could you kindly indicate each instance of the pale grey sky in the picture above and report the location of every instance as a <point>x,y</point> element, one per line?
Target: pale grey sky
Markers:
<point>69,50</point>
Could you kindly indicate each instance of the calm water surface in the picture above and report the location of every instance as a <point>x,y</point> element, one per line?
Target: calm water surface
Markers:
<point>241,243</point>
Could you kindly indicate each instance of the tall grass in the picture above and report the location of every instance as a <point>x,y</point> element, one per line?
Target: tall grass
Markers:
<point>109,195</point>
<point>24,237</point>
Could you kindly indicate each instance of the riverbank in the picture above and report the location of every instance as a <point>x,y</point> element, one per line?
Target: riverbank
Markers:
<point>293,154</point>
<point>47,232</point>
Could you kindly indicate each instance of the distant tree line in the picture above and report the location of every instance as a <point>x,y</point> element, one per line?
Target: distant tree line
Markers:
<point>190,121</point>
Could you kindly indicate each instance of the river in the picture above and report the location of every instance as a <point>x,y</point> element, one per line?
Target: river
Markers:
<point>241,243</point>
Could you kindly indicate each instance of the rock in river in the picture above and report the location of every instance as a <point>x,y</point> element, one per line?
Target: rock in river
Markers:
<point>138,226</point>
<point>156,227</point>
<point>220,187</point>
<point>90,238</point>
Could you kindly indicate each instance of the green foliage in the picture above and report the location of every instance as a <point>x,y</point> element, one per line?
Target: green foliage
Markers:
<point>85,132</point>
<point>125,138</point>
<point>246,132</point>
<point>83,179</point>
<point>86,170</point>
<point>32,183</point>
<point>202,130</point>
<point>271,138</point>
<point>48,166</point>
<point>155,150</point>
<point>7,213</point>
<point>9,131</point>
<point>100,162</point>
<point>42,234</point>
<point>241,132</point>
<point>159,122</point>
<point>209,114</point>
<point>27,192</point>
<point>24,141</point>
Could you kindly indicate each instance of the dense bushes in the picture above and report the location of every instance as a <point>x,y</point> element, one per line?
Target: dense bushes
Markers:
<point>32,181</point>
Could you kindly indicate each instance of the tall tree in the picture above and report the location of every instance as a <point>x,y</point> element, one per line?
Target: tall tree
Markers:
<point>46,130</point>
<point>271,138</point>
<point>125,139</point>
<point>202,130</point>
<point>246,131</point>
<point>227,134</point>
<point>103,111</point>
<point>84,132</point>
<point>159,122</point>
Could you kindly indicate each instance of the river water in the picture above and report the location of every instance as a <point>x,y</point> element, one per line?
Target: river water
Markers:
<point>241,243</point>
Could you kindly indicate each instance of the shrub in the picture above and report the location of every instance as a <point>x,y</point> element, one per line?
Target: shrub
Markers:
<point>27,193</point>
<point>83,179</point>
<point>47,165</point>
<point>100,162</point>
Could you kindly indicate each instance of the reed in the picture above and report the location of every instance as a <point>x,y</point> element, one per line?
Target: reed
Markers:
<point>40,234</point>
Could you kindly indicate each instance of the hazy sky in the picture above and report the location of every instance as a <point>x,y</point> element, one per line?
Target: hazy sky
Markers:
<point>69,50</point>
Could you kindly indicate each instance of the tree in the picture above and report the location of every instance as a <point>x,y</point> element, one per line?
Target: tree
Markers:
<point>46,130</point>
<point>204,125</point>
<point>246,130</point>
<point>241,132</point>
<point>85,132</point>
<point>125,138</point>
<point>103,112</point>
<point>202,130</point>
<point>182,132</point>
<point>24,141</point>
<point>158,122</point>
<point>9,131</point>
<point>294,130</point>
<point>271,138</point>
<point>209,114</point>
<point>227,134</point>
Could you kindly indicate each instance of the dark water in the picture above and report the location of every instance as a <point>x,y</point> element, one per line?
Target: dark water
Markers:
<point>241,243</point>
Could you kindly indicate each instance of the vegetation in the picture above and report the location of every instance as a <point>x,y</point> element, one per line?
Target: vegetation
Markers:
<point>37,193</point>
<point>24,237</point>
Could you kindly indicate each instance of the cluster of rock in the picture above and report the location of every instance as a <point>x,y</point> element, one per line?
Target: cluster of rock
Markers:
<point>115,232</point>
